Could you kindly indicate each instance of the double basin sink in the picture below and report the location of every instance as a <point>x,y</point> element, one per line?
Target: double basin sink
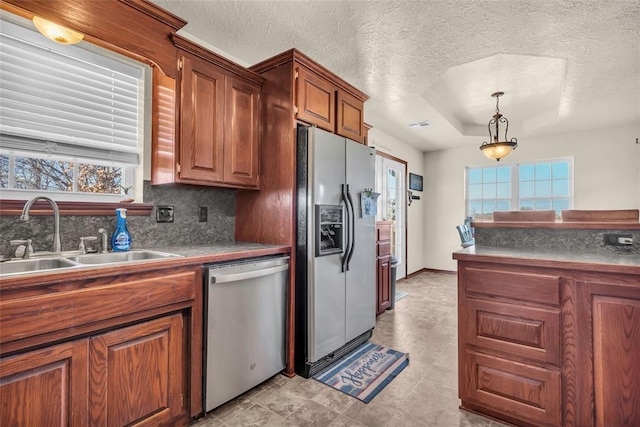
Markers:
<point>63,261</point>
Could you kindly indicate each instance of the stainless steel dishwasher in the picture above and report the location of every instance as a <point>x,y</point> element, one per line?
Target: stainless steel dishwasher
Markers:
<point>246,326</point>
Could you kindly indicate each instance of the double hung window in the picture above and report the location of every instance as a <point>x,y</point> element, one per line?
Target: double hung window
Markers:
<point>70,119</point>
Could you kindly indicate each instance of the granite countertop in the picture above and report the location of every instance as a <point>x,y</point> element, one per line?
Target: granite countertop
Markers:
<point>217,249</point>
<point>578,259</point>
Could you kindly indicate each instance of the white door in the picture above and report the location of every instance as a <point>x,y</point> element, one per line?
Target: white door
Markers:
<point>391,177</point>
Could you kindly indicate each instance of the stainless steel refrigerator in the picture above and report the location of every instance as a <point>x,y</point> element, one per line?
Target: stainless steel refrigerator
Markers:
<point>335,249</point>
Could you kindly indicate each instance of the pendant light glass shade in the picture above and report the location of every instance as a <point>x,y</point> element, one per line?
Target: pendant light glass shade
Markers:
<point>497,149</point>
<point>57,33</point>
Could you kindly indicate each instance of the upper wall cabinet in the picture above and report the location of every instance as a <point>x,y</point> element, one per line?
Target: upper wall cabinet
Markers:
<point>218,121</point>
<point>320,97</point>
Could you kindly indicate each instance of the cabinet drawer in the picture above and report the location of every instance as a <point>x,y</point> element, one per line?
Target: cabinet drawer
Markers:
<point>384,249</point>
<point>383,232</point>
<point>77,304</point>
<point>511,388</point>
<point>527,332</point>
<point>530,287</point>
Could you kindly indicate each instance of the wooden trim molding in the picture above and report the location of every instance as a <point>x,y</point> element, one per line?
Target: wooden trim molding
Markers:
<point>299,57</point>
<point>202,53</point>
<point>157,13</point>
<point>560,225</point>
<point>621,215</point>
<point>14,207</point>
<point>529,216</point>
<point>427,270</point>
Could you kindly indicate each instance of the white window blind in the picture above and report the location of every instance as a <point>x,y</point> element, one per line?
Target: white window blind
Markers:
<point>66,101</point>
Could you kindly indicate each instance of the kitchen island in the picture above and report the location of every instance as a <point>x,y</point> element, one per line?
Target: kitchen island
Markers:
<point>115,344</point>
<point>549,337</point>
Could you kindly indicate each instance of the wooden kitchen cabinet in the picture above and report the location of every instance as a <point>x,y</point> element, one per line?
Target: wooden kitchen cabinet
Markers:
<point>136,374</point>
<point>315,99</point>
<point>133,376</point>
<point>219,115</point>
<point>350,117</point>
<point>383,266</point>
<point>608,352</point>
<point>126,351</point>
<point>549,346</point>
<point>509,335</point>
<point>321,100</point>
<point>201,126</point>
<point>45,387</point>
<point>242,133</point>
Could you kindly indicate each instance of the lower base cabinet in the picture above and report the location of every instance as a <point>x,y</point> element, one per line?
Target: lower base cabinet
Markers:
<point>54,382</point>
<point>136,374</point>
<point>129,376</point>
<point>549,346</point>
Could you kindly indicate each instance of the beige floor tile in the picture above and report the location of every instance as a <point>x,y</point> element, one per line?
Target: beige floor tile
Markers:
<point>283,401</point>
<point>372,414</point>
<point>312,414</point>
<point>342,421</point>
<point>334,399</point>
<point>256,415</point>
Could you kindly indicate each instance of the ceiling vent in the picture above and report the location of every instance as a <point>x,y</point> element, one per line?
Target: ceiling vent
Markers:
<point>421,124</point>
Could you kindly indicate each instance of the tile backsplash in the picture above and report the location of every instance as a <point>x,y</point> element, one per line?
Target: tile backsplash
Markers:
<point>145,231</point>
<point>553,239</point>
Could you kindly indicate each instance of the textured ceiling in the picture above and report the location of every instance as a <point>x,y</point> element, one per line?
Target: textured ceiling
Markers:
<point>564,65</point>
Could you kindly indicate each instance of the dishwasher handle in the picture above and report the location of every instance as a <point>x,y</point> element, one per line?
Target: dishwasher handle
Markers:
<point>225,278</point>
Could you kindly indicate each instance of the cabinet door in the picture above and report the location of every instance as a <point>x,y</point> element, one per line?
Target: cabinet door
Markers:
<point>384,283</point>
<point>201,122</point>
<point>242,130</point>
<point>137,374</point>
<point>610,363</point>
<point>46,387</point>
<point>315,100</point>
<point>350,118</point>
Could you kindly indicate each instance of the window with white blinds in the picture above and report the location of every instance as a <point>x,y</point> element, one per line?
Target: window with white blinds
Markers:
<point>67,108</point>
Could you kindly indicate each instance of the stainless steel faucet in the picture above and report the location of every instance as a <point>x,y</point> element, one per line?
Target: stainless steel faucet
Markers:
<point>104,249</point>
<point>56,216</point>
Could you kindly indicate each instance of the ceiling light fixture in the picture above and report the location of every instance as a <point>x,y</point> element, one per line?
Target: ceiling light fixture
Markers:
<point>497,149</point>
<point>55,32</point>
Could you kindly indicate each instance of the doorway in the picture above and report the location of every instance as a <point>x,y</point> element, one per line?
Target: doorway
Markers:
<point>391,183</point>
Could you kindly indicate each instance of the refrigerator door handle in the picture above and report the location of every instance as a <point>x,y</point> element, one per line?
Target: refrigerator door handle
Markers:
<point>343,259</point>
<point>352,228</point>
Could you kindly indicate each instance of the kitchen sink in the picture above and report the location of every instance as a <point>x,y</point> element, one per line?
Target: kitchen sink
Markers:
<point>65,261</point>
<point>31,265</point>
<point>114,257</point>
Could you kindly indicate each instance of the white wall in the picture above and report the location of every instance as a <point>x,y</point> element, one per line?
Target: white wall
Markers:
<point>606,176</point>
<point>415,223</point>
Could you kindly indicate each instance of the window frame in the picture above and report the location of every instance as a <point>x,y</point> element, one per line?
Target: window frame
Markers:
<point>515,198</point>
<point>133,173</point>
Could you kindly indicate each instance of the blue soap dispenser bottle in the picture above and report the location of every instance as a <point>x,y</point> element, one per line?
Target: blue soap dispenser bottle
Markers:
<point>121,239</point>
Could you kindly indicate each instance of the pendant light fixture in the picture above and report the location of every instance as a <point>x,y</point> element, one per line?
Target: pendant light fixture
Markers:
<point>497,149</point>
<point>57,33</point>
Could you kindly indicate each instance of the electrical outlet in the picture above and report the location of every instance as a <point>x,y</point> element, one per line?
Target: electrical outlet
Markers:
<point>164,213</point>
<point>614,239</point>
<point>202,214</point>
